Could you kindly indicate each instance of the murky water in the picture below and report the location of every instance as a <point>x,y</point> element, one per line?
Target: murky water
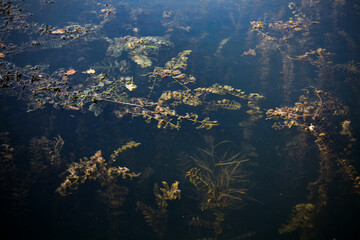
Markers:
<point>179,119</point>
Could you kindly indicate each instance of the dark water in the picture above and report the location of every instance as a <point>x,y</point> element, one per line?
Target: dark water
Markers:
<point>296,63</point>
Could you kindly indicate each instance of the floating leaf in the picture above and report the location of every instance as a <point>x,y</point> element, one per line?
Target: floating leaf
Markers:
<point>90,71</point>
<point>58,31</point>
<point>130,86</point>
<point>70,72</point>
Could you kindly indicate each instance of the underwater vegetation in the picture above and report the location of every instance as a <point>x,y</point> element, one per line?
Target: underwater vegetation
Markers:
<point>95,168</point>
<point>220,180</point>
<point>112,68</point>
<point>138,49</point>
<point>156,218</point>
<point>321,115</point>
<point>279,81</point>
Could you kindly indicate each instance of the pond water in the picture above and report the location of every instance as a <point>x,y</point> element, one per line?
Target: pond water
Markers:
<point>202,119</point>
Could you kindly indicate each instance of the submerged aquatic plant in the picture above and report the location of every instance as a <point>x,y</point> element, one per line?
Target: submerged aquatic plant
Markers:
<point>96,168</point>
<point>157,217</point>
<point>320,115</point>
<point>220,179</point>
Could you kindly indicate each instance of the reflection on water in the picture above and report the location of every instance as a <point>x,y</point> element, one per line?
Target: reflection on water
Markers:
<point>244,112</point>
